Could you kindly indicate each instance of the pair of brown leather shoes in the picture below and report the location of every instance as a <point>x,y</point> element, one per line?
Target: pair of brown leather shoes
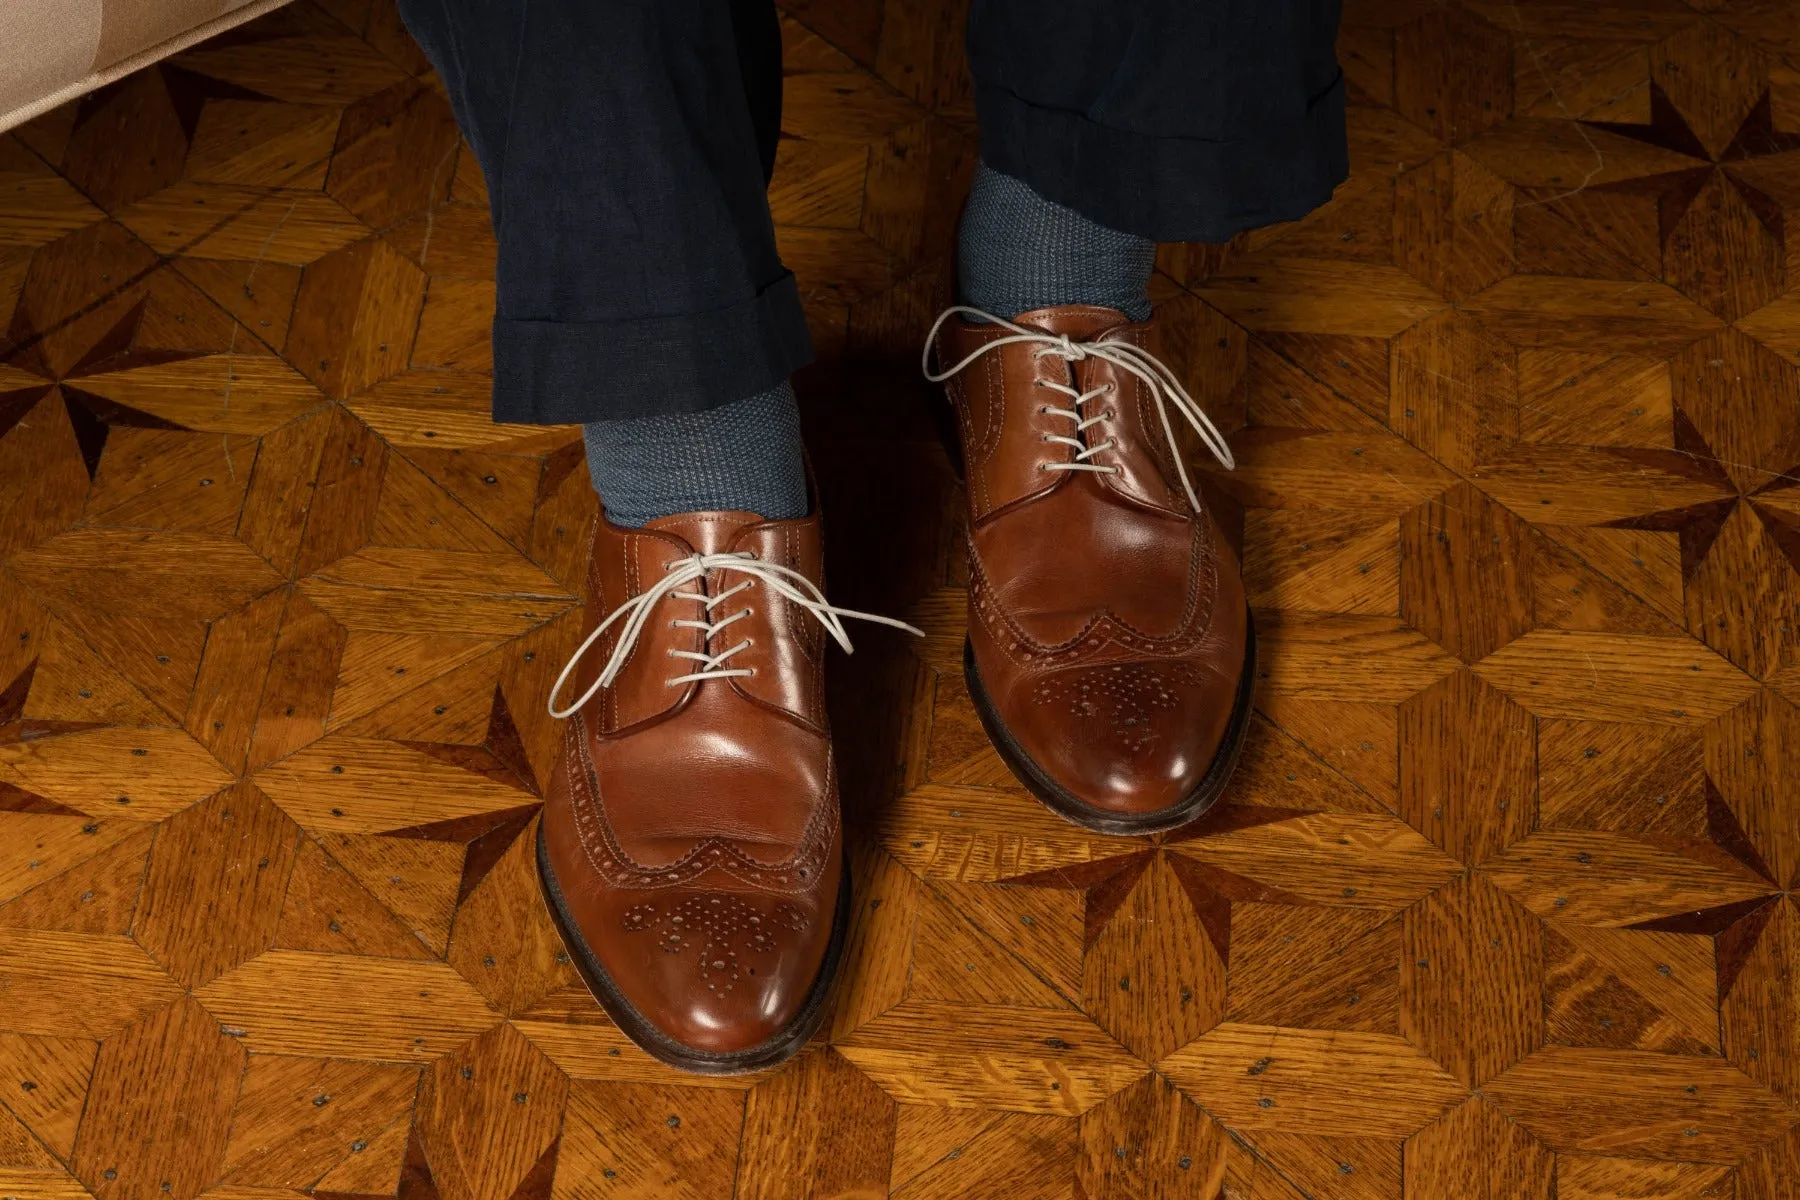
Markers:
<point>691,850</point>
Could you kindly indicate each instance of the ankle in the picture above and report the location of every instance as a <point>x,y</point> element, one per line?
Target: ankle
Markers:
<point>743,456</point>
<point>1017,251</point>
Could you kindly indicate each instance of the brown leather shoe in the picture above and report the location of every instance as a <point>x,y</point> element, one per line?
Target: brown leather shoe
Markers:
<point>690,847</point>
<point>1110,651</point>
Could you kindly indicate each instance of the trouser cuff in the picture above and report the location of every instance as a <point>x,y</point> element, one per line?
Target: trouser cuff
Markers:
<point>566,372</point>
<point>1171,189</point>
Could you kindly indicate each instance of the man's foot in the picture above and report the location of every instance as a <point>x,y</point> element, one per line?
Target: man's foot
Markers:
<point>690,848</point>
<point>1110,653</point>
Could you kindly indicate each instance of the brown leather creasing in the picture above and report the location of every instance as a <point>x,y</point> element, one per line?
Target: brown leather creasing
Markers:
<point>693,830</point>
<point>1107,618</point>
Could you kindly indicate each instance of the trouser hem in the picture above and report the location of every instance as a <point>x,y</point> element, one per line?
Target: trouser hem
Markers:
<point>1170,189</point>
<point>562,372</point>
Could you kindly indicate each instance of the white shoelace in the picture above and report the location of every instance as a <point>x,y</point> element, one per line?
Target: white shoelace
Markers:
<point>784,581</point>
<point>1164,387</point>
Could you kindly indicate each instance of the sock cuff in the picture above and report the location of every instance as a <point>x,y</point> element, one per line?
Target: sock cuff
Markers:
<point>745,455</point>
<point>1017,251</point>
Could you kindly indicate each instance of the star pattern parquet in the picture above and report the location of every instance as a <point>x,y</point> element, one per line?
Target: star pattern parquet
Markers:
<point>1500,906</point>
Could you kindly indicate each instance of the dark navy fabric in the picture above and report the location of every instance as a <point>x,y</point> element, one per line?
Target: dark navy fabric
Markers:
<point>627,146</point>
<point>1178,120</point>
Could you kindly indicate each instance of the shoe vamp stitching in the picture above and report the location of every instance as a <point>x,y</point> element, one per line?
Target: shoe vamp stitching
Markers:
<point>612,863</point>
<point>1104,628</point>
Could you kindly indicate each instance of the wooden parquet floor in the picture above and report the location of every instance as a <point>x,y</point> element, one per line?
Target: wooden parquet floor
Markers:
<point>1499,906</point>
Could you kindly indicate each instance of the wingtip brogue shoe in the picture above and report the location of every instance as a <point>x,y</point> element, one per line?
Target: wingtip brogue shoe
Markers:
<point>1110,655</point>
<point>690,850</point>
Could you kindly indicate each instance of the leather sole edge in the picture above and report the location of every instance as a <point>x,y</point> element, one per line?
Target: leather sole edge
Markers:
<point>659,1045</point>
<point>1070,808</point>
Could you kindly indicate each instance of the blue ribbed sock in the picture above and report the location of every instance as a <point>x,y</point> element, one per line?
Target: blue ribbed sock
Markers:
<point>1017,251</point>
<point>743,455</point>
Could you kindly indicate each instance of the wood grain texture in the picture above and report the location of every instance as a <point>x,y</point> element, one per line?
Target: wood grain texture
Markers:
<point>1496,906</point>
<point>301,1120</point>
<point>1312,1081</point>
<point>1699,1109</point>
<point>58,1071</point>
<point>1475,1151</point>
<point>1018,1154</point>
<point>485,1130</point>
<point>169,1140</point>
<point>1150,1140</point>
<point>212,894</point>
<point>820,1129</point>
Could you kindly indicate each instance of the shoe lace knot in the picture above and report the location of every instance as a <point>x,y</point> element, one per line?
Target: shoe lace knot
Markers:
<point>678,576</point>
<point>1161,382</point>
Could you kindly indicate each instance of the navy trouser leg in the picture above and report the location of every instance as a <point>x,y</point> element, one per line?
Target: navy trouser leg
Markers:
<point>627,145</point>
<point>1178,120</point>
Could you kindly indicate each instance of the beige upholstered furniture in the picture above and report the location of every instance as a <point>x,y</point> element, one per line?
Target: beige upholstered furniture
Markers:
<point>54,50</point>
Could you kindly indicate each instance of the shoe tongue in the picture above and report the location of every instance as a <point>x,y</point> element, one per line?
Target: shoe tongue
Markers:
<point>1080,322</point>
<point>707,532</point>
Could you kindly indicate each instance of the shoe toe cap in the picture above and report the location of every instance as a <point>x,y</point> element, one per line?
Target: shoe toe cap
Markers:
<point>719,972</point>
<point>1130,738</point>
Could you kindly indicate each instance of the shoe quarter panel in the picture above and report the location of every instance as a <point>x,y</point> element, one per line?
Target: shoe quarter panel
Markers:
<point>1006,426</point>
<point>626,562</point>
<point>787,644</point>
